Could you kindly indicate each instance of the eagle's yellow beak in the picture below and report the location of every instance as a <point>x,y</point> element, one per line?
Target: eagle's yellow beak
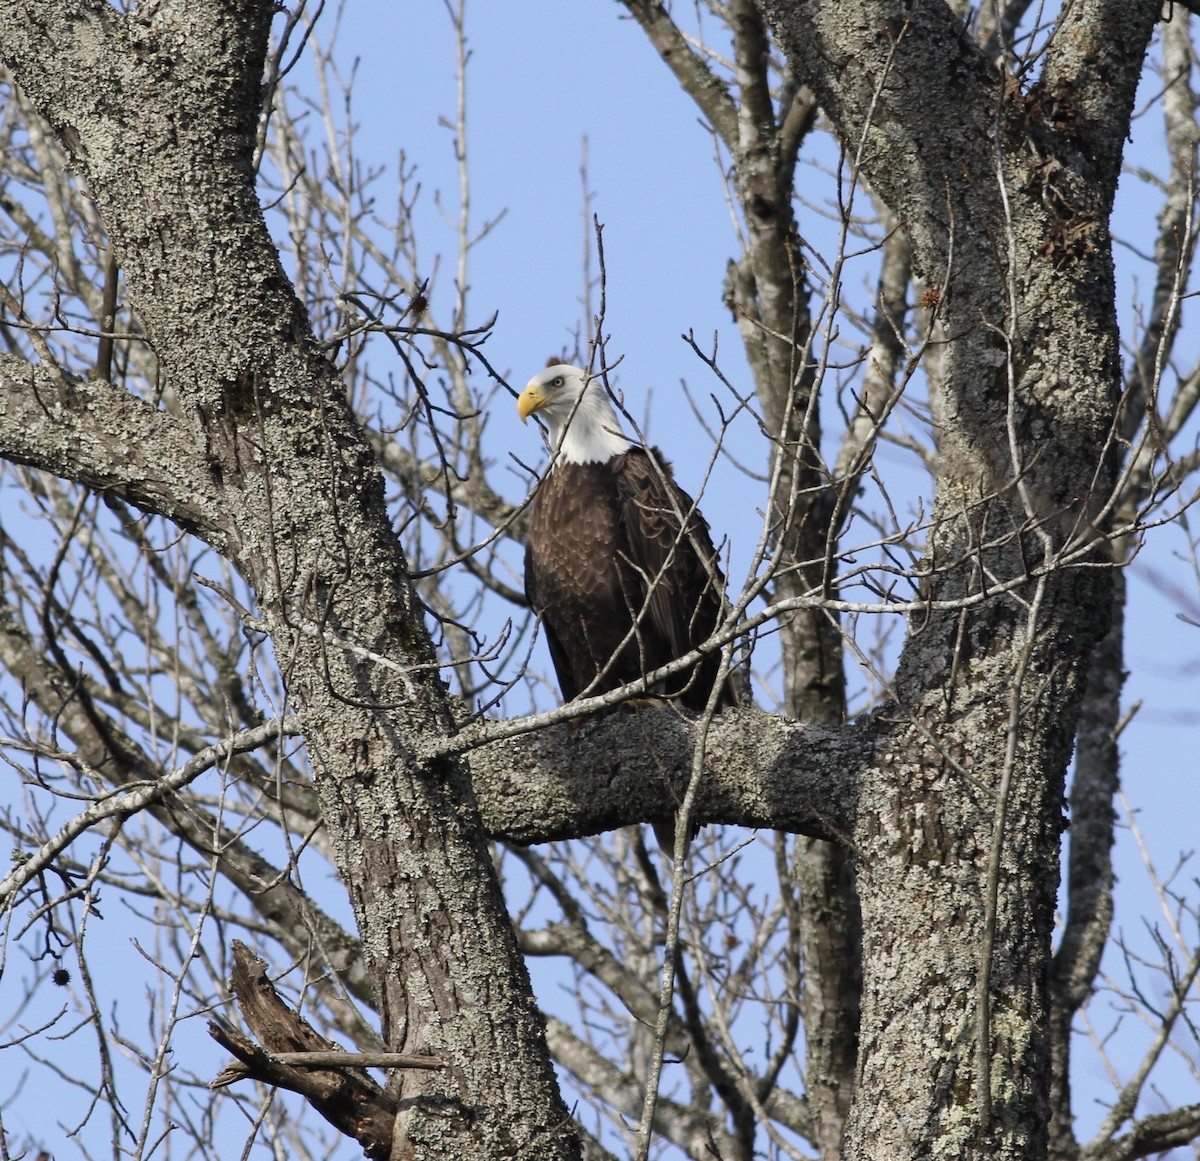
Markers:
<point>529,401</point>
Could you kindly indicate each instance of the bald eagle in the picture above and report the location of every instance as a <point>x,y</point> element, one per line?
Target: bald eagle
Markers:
<point>619,563</point>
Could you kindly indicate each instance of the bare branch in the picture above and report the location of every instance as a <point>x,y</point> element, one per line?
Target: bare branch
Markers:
<point>690,69</point>
<point>138,798</point>
<point>145,455</point>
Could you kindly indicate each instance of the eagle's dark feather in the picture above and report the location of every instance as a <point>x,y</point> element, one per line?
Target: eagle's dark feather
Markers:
<point>606,553</point>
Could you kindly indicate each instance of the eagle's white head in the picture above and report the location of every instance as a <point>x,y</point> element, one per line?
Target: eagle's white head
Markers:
<point>584,428</point>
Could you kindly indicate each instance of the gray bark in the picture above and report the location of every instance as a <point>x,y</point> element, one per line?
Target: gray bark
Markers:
<point>267,462</point>
<point>760,771</point>
<point>957,831</point>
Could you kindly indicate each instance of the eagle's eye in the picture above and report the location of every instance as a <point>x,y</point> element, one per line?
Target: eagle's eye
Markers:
<point>557,381</point>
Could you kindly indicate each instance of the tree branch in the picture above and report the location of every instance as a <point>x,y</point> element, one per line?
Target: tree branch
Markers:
<point>693,75</point>
<point>140,797</point>
<point>694,1130</point>
<point>1090,78</point>
<point>1150,1135</point>
<point>886,79</point>
<point>620,769</point>
<point>345,1096</point>
<point>1090,873</point>
<point>145,455</point>
<point>291,916</point>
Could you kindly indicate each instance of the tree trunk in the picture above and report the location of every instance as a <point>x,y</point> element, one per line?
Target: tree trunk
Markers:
<point>958,824</point>
<point>160,114</point>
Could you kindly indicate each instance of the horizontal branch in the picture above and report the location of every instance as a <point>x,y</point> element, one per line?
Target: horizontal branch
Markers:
<point>1154,1134</point>
<point>630,766</point>
<point>331,1058</point>
<point>94,433</point>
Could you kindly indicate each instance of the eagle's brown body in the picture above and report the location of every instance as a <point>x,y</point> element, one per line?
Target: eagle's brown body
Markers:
<point>621,568</point>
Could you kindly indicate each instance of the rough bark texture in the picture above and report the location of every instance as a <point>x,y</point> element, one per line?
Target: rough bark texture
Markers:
<point>957,830</point>
<point>159,112</point>
<point>346,1097</point>
<point>760,771</point>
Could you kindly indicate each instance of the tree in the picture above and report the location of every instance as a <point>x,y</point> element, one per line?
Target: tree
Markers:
<point>238,630</point>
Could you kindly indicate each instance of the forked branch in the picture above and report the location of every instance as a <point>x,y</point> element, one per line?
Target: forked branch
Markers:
<point>294,1056</point>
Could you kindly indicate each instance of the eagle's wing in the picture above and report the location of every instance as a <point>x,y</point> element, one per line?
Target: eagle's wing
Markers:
<point>668,544</point>
<point>563,669</point>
